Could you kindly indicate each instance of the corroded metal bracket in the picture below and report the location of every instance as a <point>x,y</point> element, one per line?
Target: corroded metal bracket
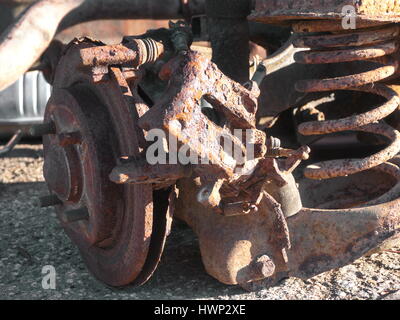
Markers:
<point>230,187</point>
<point>193,77</point>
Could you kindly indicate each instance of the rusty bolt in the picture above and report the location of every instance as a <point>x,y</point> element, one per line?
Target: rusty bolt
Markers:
<point>260,268</point>
<point>263,267</point>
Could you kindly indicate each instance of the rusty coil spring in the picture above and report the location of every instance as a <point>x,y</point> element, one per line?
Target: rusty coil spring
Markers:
<point>373,44</point>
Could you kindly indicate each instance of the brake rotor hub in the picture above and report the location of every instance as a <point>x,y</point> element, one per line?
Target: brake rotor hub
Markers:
<point>88,128</point>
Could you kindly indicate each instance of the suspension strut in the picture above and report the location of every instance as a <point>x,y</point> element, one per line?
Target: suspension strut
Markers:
<point>328,43</point>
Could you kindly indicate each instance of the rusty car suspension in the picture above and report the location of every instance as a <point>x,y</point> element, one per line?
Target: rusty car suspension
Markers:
<point>370,44</point>
<point>250,218</point>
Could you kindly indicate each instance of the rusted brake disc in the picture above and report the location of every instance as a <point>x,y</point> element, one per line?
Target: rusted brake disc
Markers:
<point>119,229</point>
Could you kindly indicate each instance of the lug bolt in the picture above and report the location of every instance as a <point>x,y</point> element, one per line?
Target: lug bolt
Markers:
<point>43,129</point>
<point>77,214</point>
<point>49,201</point>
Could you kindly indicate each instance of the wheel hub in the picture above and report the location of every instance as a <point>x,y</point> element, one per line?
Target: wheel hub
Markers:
<point>62,171</point>
<point>118,229</point>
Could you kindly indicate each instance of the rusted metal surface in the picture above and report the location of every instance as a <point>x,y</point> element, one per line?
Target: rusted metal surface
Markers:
<point>356,213</point>
<point>91,127</point>
<point>141,172</point>
<point>116,239</point>
<point>290,10</point>
<point>193,77</point>
<point>349,233</point>
<point>133,53</point>
<point>231,250</point>
<point>320,239</point>
<point>323,50</point>
<point>305,26</point>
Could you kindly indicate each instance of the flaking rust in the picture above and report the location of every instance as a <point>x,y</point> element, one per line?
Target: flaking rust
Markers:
<point>289,10</point>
